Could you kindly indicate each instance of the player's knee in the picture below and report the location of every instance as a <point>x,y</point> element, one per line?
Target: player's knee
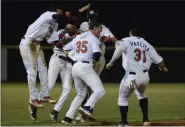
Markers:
<point>141,96</point>
<point>100,92</point>
<point>66,92</point>
<point>123,101</point>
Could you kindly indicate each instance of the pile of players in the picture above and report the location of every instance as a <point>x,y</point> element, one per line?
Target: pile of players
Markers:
<point>79,56</point>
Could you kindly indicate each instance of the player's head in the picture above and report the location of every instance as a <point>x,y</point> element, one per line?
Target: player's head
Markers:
<point>70,29</point>
<point>56,8</point>
<point>135,28</point>
<point>134,31</point>
<point>95,27</point>
<point>93,14</point>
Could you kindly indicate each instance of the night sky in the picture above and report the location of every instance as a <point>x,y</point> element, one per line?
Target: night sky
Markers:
<point>162,23</point>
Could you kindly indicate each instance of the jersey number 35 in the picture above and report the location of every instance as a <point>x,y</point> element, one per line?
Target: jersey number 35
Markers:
<point>81,46</point>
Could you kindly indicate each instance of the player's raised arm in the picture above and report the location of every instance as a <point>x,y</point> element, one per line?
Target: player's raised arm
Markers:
<point>60,15</point>
<point>157,59</point>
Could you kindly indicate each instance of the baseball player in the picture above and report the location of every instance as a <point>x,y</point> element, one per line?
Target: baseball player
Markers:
<point>86,50</point>
<point>60,63</point>
<point>137,55</point>
<point>33,56</point>
<point>106,36</point>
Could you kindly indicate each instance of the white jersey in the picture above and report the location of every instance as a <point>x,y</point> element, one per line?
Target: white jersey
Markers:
<point>43,27</point>
<point>83,46</point>
<point>139,54</point>
<point>105,32</point>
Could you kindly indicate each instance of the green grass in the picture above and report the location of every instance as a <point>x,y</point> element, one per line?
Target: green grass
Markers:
<point>166,102</point>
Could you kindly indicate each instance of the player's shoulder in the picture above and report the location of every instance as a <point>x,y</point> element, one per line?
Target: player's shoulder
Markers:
<point>84,23</point>
<point>125,39</point>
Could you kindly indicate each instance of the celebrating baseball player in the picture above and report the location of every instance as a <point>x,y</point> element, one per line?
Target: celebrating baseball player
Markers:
<point>33,56</point>
<point>137,55</point>
<point>60,63</point>
<point>106,36</point>
<point>86,51</point>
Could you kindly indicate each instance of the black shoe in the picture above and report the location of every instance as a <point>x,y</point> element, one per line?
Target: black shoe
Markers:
<point>54,115</point>
<point>33,112</point>
<point>67,120</point>
<point>123,123</point>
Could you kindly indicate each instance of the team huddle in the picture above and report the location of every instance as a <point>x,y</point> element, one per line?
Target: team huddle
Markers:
<point>78,55</point>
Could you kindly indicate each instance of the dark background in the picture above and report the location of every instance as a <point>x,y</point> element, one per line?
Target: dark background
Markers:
<point>162,23</point>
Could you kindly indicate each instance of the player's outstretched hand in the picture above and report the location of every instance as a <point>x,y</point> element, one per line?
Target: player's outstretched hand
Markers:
<point>165,69</point>
<point>84,8</point>
<point>109,65</point>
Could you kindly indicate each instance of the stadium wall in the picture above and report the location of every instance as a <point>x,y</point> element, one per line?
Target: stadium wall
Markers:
<point>12,68</point>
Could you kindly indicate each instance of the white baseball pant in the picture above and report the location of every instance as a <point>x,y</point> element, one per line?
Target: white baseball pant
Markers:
<point>84,73</point>
<point>142,78</point>
<point>62,67</point>
<point>33,59</point>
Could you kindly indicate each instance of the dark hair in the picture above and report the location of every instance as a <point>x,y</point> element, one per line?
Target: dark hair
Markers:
<point>93,24</point>
<point>135,31</point>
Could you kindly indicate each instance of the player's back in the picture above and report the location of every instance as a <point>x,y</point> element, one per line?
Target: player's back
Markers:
<point>137,52</point>
<point>83,46</point>
<point>40,27</point>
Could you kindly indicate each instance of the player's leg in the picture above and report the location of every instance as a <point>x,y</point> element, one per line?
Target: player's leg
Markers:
<point>142,97</point>
<point>98,69</point>
<point>124,94</point>
<point>81,93</point>
<point>29,56</point>
<point>66,85</point>
<point>94,82</point>
<point>43,76</point>
<point>53,71</point>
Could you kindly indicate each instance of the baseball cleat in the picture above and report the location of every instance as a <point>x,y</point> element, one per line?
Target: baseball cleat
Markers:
<point>33,112</point>
<point>86,113</point>
<point>123,124</point>
<point>146,123</point>
<point>53,116</point>
<point>36,103</point>
<point>49,100</point>
<point>68,120</point>
<point>79,117</point>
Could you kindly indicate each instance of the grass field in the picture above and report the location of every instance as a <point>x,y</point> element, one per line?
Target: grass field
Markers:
<point>166,103</point>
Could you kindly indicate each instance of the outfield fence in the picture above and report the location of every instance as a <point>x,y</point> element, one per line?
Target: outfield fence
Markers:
<point>12,68</point>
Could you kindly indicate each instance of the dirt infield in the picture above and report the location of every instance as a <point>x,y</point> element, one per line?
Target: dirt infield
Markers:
<point>155,123</point>
<point>164,123</point>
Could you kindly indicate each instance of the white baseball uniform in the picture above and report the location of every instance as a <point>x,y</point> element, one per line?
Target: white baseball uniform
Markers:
<point>58,65</point>
<point>138,55</point>
<point>105,32</point>
<point>84,45</point>
<point>32,54</point>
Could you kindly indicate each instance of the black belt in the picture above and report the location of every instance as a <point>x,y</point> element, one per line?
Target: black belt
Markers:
<point>85,62</point>
<point>65,58</point>
<point>134,73</point>
<point>82,61</point>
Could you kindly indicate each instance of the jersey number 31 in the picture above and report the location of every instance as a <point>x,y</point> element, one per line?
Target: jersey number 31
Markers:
<point>138,55</point>
<point>81,46</point>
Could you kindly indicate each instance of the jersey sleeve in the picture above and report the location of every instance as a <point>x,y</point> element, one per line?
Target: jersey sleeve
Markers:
<point>122,44</point>
<point>84,27</point>
<point>95,45</point>
<point>106,32</point>
<point>54,37</point>
<point>69,46</point>
<point>154,56</point>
